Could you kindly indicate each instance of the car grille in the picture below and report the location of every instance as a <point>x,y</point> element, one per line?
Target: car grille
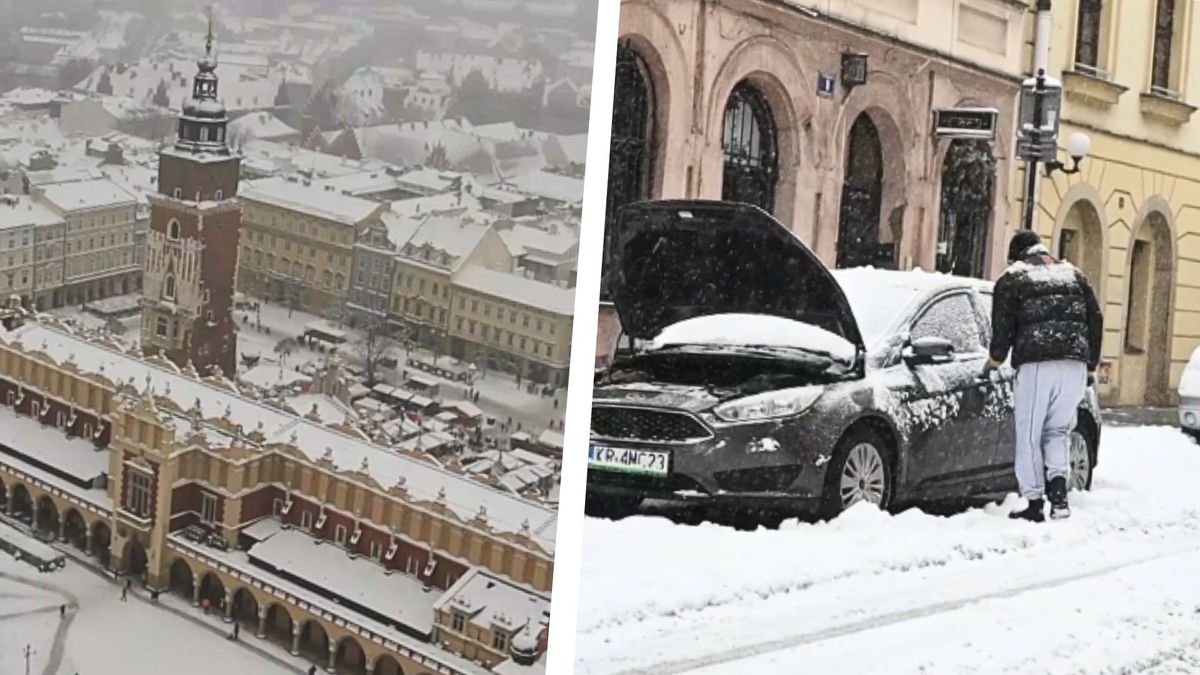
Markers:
<point>643,424</point>
<point>764,479</point>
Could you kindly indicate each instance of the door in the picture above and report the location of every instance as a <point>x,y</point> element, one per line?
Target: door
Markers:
<point>1000,405</point>
<point>952,441</point>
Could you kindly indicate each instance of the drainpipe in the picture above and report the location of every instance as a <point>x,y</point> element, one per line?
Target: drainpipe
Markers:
<point>1041,63</point>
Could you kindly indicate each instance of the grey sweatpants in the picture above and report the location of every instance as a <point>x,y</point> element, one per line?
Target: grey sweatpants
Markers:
<point>1047,401</point>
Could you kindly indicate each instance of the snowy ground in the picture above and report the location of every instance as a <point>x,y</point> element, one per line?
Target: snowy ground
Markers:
<point>1112,590</point>
<point>100,635</point>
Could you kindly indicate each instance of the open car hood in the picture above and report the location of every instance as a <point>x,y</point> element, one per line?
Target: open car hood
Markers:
<point>676,260</point>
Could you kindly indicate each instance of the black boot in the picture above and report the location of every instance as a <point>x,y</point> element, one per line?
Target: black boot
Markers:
<point>1032,513</point>
<point>1056,491</point>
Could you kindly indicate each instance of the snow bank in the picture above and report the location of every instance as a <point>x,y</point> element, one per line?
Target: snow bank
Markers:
<point>653,592</point>
<point>757,330</point>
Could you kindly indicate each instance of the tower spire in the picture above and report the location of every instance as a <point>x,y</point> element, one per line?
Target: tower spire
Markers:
<point>208,39</point>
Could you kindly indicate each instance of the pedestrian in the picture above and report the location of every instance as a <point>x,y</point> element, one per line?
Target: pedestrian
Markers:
<point>62,611</point>
<point>312,670</point>
<point>125,594</point>
<point>1045,313</point>
<point>237,630</point>
<point>205,604</point>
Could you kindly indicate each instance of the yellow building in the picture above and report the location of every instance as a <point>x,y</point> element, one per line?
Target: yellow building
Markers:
<point>298,242</point>
<point>1131,218</point>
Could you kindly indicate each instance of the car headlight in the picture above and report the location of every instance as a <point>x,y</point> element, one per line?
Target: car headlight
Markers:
<point>1190,418</point>
<point>771,405</point>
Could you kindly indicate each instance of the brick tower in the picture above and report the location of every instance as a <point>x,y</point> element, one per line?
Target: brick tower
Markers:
<point>191,250</point>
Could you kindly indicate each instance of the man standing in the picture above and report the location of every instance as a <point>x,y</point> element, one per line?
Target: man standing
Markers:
<point>1045,312</point>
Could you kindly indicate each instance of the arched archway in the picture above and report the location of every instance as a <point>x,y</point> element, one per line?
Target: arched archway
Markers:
<point>22,503</point>
<point>180,579</point>
<point>47,517</point>
<point>1080,241</point>
<point>212,590</point>
<point>314,642</point>
<point>135,559</point>
<point>750,148</point>
<point>965,216</point>
<point>3,496</point>
<point>101,541</point>
<point>632,144</point>
<point>279,626</point>
<point>862,196</point>
<point>386,665</point>
<point>350,658</point>
<point>75,529</point>
<point>1145,371</point>
<point>245,608</point>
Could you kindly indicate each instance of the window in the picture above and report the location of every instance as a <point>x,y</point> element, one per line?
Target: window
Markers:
<point>411,566</point>
<point>512,316</point>
<point>1089,38</point>
<point>458,323</point>
<point>160,326</point>
<point>951,318</point>
<point>1168,20</point>
<point>751,155</point>
<point>177,193</point>
<point>277,506</point>
<point>61,420</point>
<point>339,534</point>
<point>499,641</point>
<point>376,550</point>
<point>169,287</point>
<point>462,304</point>
<point>34,409</point>
<point>458,622</point>
<point>306,520</point>
<point>1137,318</point>
<point>208,508</point>
<point>137,497</point>
<point>631,148</point>
<point>219,195</point>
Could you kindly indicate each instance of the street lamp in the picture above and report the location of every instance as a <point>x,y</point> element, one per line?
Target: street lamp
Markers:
<point>1079,145</point>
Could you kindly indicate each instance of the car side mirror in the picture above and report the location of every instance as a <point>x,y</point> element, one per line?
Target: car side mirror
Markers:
<point>928,350</point>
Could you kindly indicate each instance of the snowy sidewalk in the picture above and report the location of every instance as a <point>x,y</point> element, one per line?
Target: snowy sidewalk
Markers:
<point>962,590</point>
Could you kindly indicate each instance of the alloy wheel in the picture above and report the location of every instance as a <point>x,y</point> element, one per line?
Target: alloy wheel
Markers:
<point>1081,461</point>
<point>863,477</point>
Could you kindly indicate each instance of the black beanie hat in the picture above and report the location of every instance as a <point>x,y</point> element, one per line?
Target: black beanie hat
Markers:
<point>1021,242</point>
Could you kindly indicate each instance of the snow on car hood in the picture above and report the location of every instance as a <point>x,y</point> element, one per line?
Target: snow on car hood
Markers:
<point>1189,381</point>
<point>676,260</point>
<point>753,330</point>
<point>657,395</point>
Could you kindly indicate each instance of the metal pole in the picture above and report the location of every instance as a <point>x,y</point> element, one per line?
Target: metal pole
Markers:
<point>1041,61</point>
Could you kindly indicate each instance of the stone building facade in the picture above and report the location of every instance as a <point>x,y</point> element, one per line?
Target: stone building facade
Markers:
<point>750,100</point>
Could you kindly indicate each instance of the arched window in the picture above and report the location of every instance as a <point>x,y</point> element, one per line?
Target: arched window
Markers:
<point>178,193</point>
<point>326,278</point>
<point>631,150</point>
<point>751,152</point>
<point>169,287</point>
<point>340,281</point>
<point>862,197</point>
<point>173,228</point>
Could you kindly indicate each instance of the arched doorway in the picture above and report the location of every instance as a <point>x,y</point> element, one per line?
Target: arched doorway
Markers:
<point>350,658</point>
<point>631,150</point>
<point>76,529</point>
<point>1146,357</point>
<point>1081,241</point>
<point>3,497</point>
<point>180,579</point>
<point>101,540</point>
<point>968,189</point>
<point>245,608</point>
<point>862,198</point>
<point>279,626</point>
<point>212,590</point>
<point>136,560</point>
<point>47,518</point>
<point>386,665</point>
<point>314,643</point>
<point>22,503</point>
<point>750,146</point>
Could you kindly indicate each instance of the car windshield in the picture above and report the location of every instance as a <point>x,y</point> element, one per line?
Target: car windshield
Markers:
<point>877,307</point>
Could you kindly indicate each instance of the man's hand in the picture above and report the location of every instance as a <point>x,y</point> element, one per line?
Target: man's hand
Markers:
<point>1091,380</point>
<point>990,367</point>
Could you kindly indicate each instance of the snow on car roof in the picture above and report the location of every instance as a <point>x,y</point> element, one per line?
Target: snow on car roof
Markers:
<point>463,496</point>
<point>879,298</point>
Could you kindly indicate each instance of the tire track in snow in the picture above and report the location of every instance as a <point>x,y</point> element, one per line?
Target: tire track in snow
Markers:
<point>766,647</point>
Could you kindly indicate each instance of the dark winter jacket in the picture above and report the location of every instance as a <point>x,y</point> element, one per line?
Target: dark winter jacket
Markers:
<point>1044,310</point>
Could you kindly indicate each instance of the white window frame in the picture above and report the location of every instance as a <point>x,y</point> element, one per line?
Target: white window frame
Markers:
<point>306,520</point>
<point>339,534</point>
<point>208,507</point>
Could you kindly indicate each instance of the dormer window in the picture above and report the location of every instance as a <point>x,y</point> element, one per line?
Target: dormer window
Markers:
<point>178,193</point>
<point>173,226</point>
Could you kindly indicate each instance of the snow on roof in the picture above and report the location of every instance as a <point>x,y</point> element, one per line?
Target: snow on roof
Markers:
<point>76,457</point>
<point>513,288</point>
<point>87,195</point>
<point>431,180</point>
<point>462,496</point>
<point>549,185</point>
<point>262,125</point>
<point>501,74</point>
<point>63,174</point>
<point>524,239</point>
<point>879,297</point>
<point>17,211</point>
<point>455,236</point>
<point>271,375</point>
<point>491,601</point>
<point>398,597</point>
<point>400,228</point>
<point>310,199</point>
<point>466,408</point>
<point>574,146</point>
<point>552,439</point>
<point>328,408</point>
<point>361,182</point>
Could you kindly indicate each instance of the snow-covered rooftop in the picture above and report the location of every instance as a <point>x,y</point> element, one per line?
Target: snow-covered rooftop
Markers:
<point>462,496</point>
<point>75,457</point>
<point>491,601</point>
<point>549,185</point>
<point>310,199</point>
<point>525,239</point>
<point>17,211</point>
<point>513,288</point>
<point>451,234</point>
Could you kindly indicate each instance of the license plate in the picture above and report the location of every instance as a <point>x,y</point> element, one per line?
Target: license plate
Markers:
<point>629,460</point>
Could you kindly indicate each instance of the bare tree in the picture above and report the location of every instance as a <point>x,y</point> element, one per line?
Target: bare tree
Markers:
<point>377,346</point>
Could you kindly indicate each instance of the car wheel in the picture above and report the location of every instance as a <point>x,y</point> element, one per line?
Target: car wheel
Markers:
<point>611,508</point>
<point>861,470</point>
<point>1081,454</point>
